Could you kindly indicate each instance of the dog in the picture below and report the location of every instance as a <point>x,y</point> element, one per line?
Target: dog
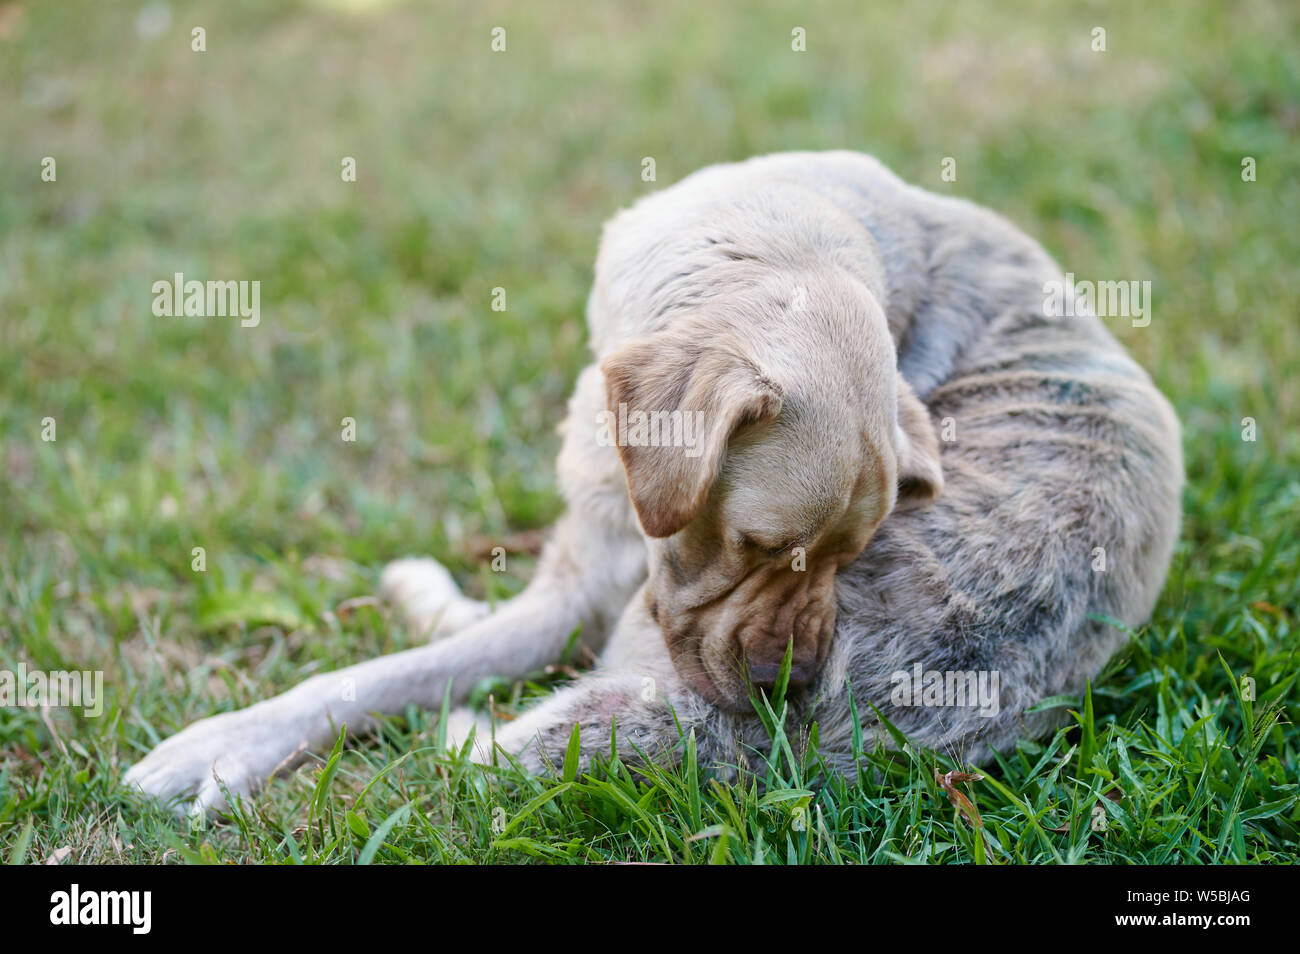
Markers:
<point>833,439</point>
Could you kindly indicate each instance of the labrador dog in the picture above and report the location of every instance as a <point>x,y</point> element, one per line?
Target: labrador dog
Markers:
<point>831,416</point>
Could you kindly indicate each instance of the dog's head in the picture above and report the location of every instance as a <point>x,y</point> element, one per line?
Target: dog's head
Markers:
<point>762,449</point>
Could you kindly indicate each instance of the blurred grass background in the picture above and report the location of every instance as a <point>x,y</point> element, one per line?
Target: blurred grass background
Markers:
<point>476,170</point>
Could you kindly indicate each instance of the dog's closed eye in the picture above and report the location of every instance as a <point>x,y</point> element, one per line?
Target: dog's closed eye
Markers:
<point>757,546</point>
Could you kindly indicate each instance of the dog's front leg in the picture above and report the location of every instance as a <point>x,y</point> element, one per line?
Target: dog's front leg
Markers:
<point>586,574</point>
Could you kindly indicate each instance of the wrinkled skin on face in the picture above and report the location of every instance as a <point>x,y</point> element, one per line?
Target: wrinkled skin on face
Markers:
<point>754,573</point>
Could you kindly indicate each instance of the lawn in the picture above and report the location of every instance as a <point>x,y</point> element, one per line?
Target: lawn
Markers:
<point>478,170</point>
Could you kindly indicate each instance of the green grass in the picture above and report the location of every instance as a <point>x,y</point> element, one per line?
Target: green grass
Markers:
<point>478,170</point>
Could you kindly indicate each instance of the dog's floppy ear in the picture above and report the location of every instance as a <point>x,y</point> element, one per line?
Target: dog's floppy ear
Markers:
<point>716,390</point>
<point>920,475</point>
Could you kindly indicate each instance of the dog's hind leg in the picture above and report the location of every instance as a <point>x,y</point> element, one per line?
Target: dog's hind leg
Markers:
<point>593,563</point>
<point>639,707</point>
<point>427,597</point>
<point>583,572</point>
<point>644,715</point>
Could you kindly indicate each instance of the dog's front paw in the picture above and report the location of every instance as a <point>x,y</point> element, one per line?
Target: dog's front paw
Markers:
<point>233,751</point>
<point>424,592</point>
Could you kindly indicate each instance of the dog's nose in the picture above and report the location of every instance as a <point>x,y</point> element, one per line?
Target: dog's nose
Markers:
<point>763,674</point>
